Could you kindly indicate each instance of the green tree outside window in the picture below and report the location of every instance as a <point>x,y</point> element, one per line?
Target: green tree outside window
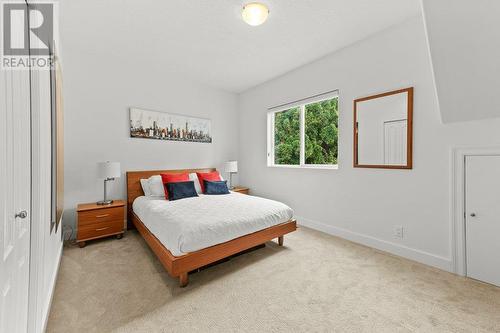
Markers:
<point>287,137</point>
<point>320,132</point>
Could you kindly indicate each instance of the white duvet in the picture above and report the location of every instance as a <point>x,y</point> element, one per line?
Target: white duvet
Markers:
<point>192,224</point>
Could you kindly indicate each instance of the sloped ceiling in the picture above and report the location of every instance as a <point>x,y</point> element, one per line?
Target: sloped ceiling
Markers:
<point>206,40</point>
<point>464,41</point>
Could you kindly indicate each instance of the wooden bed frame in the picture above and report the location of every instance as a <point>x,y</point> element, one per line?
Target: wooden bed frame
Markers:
<point>182,265</point>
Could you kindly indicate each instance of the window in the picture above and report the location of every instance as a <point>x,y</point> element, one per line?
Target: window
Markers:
<point>287,137</point>
<point>304,134</point>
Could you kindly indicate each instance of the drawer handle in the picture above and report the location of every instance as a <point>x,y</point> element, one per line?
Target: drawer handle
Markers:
<point>103,215</point>
<point>101,229</point>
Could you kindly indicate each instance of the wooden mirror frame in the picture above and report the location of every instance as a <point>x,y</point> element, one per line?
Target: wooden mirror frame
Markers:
<point>409,133</point>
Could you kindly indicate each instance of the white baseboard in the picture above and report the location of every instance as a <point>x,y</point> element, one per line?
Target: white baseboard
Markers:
<point>52,289</point>
<point>379,244</point>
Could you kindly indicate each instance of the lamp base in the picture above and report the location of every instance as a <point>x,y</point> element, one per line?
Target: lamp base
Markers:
<point>104,202</point>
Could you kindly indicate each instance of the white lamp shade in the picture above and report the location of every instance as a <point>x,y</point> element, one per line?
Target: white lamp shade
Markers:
<point>108,169</point>
<point>231,166</point>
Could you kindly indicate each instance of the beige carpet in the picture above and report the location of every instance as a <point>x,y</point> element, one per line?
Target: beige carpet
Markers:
<point>316,283</point>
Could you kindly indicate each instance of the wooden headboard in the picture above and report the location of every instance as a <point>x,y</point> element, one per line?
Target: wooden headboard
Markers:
<point>134,188</point>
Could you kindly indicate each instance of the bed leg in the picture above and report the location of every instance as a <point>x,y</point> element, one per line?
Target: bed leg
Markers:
<point>183,280</point>
<point>280,240</point>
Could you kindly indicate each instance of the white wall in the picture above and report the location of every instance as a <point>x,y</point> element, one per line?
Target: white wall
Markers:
<point>98,93</point>
<point>463,37</point>
<point>365,204</point>
<point>46,244</point>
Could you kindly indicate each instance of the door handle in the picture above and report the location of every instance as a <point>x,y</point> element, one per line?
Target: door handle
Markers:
<point>473,214</point>
<point>22,214</point>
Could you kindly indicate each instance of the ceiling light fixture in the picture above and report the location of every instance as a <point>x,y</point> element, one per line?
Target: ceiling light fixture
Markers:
<point>255,13</point>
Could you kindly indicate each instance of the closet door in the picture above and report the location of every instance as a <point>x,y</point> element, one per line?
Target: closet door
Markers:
<point>482,202</point>
<point>15,198</point>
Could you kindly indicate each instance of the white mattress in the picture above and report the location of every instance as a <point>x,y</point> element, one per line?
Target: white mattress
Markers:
<point>192,224</point>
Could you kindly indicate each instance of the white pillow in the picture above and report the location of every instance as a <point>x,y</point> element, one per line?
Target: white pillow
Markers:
<point>145,187</point>
<point>194,177</point>
<point>156,186</point>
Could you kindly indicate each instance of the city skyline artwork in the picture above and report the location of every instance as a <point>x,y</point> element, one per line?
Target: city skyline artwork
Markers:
<point>167,126</point>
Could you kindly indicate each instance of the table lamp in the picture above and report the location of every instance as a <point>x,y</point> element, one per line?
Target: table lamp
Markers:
<point>108,171</point>
<point>231,167</point>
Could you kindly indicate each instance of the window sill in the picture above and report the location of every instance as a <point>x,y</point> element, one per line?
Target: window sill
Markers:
<point>324,167</point>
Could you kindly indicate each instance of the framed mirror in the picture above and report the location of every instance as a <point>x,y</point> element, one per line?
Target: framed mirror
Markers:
<point>383,133</point>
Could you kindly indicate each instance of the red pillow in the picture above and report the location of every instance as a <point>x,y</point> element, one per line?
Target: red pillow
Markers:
<point>214,175</point>
<point>173,178</point>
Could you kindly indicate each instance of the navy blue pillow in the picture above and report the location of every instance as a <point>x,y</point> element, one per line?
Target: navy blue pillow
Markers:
<point>181,190</point>
<point>216,187</point>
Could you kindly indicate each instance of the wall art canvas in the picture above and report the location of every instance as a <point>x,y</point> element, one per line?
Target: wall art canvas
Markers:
<point>167,126</point>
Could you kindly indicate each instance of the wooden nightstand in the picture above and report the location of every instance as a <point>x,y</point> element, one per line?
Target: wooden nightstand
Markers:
<point>241,189</point>
<point>98,221</point>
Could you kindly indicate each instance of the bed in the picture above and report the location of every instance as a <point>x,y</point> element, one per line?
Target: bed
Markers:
<point>191,233</point>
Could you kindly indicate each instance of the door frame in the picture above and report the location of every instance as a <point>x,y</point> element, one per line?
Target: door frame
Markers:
<point>457,206</point>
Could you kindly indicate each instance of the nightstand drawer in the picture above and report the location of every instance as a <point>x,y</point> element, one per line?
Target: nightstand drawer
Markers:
<point>240,189</point>
<point>99,229</point>
<point>243,191</point>
<point>99,215</point>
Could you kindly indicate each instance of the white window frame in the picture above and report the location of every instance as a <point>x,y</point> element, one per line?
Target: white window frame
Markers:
<point>302,106</point>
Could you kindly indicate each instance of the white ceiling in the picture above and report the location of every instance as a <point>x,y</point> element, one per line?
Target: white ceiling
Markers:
<point>207,41</point>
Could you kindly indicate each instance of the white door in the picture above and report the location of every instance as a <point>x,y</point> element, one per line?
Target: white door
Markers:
<point>15,193</point>
<point>482,216</point>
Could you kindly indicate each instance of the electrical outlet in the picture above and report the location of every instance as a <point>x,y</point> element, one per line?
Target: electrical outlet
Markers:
<point>398,231</point>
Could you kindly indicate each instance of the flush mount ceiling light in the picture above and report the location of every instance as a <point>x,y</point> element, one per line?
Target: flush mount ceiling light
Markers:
<point>255,13</point>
